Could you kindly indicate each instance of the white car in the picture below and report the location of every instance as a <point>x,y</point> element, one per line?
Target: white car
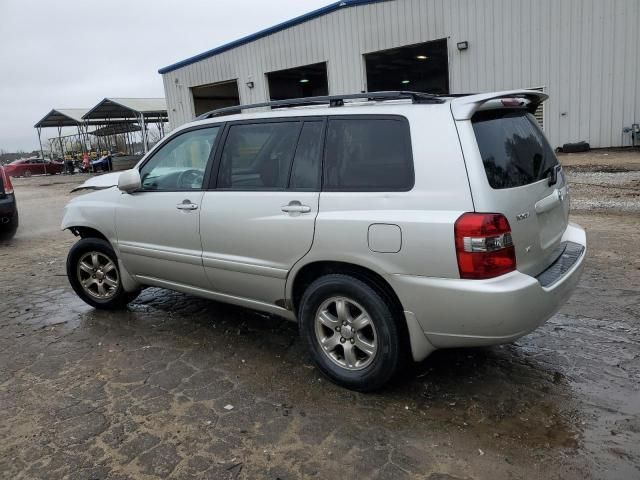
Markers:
<point>387,224</point>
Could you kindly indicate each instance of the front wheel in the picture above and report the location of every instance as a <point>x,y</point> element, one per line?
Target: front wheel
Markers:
<point>92,269</point>
<point>351,332</point>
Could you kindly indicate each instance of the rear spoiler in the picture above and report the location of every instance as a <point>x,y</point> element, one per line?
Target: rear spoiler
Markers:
<point>463,108</point>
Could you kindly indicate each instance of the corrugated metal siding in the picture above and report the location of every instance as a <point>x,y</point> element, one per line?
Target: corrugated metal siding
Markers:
<point>585,52</point>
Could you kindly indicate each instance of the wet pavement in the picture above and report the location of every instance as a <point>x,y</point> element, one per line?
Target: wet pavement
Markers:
<point>179,387</point>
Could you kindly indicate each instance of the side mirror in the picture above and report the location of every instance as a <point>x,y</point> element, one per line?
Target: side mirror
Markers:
<point>129,181</point>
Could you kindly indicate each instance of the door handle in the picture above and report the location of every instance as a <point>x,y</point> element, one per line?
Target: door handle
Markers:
<point>187,205</point>
<point>296,207</point>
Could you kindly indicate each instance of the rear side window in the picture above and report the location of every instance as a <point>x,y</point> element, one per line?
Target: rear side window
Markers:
<point>258,156</point>
<point>514,150</point>
<point>305,174</point>
<point>368,154</point>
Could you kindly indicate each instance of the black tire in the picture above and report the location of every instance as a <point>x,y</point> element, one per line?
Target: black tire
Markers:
<point>389,355</point>
<point>8,230</point>
<point>119,298</point>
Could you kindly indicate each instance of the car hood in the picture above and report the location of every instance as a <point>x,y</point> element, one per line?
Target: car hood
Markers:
<point>99,182</point>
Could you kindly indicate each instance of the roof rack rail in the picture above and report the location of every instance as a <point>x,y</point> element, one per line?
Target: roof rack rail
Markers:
<point>331,100</point>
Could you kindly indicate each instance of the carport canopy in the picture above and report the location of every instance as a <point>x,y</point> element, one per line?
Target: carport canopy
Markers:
<point>144,110</point>
<point>60,118</point>
<point>153,110</point>
<point>115,129</point>
<point>63,117</point>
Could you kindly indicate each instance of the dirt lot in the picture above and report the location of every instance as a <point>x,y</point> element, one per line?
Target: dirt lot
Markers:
<point>147,393</point>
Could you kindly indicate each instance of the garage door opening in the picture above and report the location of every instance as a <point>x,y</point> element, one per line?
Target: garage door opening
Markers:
<point>423,67</point>
<point>214,96</point>
<point>306,81</point>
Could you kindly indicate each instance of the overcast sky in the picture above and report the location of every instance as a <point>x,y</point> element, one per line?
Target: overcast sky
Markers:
<point>73,53</point>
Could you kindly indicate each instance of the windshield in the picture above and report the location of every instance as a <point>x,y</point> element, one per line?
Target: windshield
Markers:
<point>514,150</point>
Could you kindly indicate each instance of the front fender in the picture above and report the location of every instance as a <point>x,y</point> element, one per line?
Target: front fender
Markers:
<point>95,210</point>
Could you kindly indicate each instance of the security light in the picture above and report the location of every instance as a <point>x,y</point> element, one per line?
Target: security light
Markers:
<point>250,84</point>
<point>462,45</point>
<point>404,82</point>
<point>422,57</point>
<point>304,80</point>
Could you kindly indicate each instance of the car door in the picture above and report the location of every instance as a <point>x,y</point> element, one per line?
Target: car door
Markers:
<point>34,167</point>
<point>158,227</point>
<point>258,221</point>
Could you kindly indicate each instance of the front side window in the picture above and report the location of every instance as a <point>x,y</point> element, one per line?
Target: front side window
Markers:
<point>180,164</point>
<point>364,154</point>
<point>258,156</point>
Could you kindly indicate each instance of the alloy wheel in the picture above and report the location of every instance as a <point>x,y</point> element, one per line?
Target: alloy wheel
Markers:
<point>345,333</point>
<point>98,275</point>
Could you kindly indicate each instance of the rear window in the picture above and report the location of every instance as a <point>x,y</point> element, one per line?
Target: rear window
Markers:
<point>368,154</point>
<point>514,150</point>
<point>258,156</point>
<point>305,173</point>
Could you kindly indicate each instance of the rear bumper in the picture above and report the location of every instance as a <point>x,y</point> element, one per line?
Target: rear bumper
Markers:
<point>463,313</point>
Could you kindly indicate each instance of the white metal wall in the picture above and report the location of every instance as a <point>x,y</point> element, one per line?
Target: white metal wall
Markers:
<point>586,53</point>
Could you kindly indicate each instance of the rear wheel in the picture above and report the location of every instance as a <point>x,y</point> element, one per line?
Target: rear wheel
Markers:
<point>92,269</point>
<point>351,332</point>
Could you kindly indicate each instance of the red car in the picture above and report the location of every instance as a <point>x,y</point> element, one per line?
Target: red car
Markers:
<point>8,208</point>
<point>33,166</point>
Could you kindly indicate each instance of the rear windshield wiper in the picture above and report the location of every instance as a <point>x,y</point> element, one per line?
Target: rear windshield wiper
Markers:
<point>552,173</point>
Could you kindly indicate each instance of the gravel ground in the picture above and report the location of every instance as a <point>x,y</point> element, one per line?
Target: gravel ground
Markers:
<point>178,387</point>
<point>604,181</point>
<point>605,191</point>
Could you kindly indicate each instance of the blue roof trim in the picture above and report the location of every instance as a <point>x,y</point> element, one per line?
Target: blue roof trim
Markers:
<point>268,31</point>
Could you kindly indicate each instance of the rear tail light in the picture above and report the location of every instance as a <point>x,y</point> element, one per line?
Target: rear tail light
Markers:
<point>6,181</point>
<point>484,245</point>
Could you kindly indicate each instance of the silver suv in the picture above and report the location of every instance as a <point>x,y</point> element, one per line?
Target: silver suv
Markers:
<point>387,224</point>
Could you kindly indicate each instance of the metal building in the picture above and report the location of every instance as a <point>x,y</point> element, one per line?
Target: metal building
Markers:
<point>584,53</point>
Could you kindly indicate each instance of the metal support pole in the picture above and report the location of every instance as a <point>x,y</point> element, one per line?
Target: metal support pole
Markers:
<point>61,147</point>
<point>85,140</point>
<point>145,144</point>
<point>80,140</point>
<point>126,141</point>
<point>130,140</point>
<point>39,130</point>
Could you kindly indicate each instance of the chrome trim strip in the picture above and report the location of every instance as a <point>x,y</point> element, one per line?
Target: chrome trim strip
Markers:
<point>191,257</point>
